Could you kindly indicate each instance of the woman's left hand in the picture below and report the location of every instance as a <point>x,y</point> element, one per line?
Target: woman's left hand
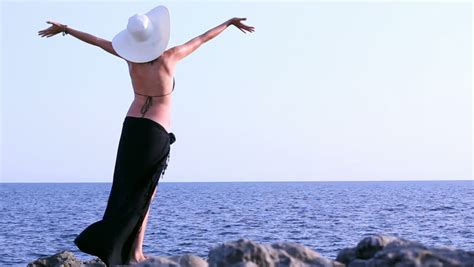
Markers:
<point>237,23</point>
<point>55,28</point>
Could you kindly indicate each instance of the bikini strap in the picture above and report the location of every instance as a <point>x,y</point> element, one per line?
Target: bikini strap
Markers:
<point>146,106</point>
<point>159,95</point>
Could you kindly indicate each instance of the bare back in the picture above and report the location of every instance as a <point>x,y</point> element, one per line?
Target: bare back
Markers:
<point>152,85</point>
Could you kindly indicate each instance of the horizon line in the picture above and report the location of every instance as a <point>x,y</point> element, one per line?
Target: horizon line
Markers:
<point>256,181</point>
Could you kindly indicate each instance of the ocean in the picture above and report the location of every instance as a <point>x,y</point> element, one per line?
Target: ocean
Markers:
<point>41,219</point>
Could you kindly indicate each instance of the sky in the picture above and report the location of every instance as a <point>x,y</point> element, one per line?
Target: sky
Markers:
<point>321,91</point>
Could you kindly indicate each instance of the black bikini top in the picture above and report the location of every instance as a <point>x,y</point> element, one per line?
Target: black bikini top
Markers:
<point>149,100</point>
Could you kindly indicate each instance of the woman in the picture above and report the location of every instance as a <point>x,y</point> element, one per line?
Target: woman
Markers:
<point>145,139</point>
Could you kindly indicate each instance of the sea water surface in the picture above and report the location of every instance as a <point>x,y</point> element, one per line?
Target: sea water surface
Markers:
<point>44,218</point>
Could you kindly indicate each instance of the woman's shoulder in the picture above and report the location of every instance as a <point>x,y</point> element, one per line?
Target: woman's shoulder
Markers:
<point>163,59</point>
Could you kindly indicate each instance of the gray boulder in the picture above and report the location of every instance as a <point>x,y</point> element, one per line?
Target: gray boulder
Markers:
<point>418,256</point>
<point>372,251</point>
<point>387,251</point>
<point>186,260</point>
<point>67,259</point>
<point>64,259</point>
<point>244,252</point>
<point>368,247</point>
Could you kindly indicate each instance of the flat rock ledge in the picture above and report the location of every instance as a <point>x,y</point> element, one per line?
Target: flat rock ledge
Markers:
<point>372,251</point>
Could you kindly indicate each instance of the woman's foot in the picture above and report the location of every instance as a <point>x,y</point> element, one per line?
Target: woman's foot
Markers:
<point>137,260</point>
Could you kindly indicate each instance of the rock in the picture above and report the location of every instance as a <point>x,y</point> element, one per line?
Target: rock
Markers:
<point>371,251</point>
<point>293,254</point>
<point>244,252</point>
<point>158,261</point>
<point>358,263</point>
<point>186,260</point>
<point>60,259</point>
<point>241,251</point>
<point>387,251</point>
<point>94,263</point>
<point>421,256</point>
<point>346,255</point>
<point>370,245</point>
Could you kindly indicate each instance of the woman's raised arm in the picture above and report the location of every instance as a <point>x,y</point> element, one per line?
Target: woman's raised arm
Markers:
<point>179,52</point>
<point>57,27</point>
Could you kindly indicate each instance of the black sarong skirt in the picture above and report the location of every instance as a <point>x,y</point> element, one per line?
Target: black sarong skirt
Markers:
<point>142,158</point>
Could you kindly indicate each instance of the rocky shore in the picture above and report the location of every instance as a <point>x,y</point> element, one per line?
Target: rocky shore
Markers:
<point>372,251</point>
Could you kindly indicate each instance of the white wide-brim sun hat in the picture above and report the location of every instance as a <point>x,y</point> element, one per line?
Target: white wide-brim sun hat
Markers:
<point>146,36</point>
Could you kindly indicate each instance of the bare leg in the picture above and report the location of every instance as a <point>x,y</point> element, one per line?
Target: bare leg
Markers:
<point>137,247</point>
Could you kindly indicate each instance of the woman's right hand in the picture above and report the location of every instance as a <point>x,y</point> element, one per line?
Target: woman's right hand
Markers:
<point>237,23</point>
<point>55,28</point>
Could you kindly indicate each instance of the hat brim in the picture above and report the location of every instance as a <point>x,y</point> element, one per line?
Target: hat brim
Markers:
<point>139,52</point>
